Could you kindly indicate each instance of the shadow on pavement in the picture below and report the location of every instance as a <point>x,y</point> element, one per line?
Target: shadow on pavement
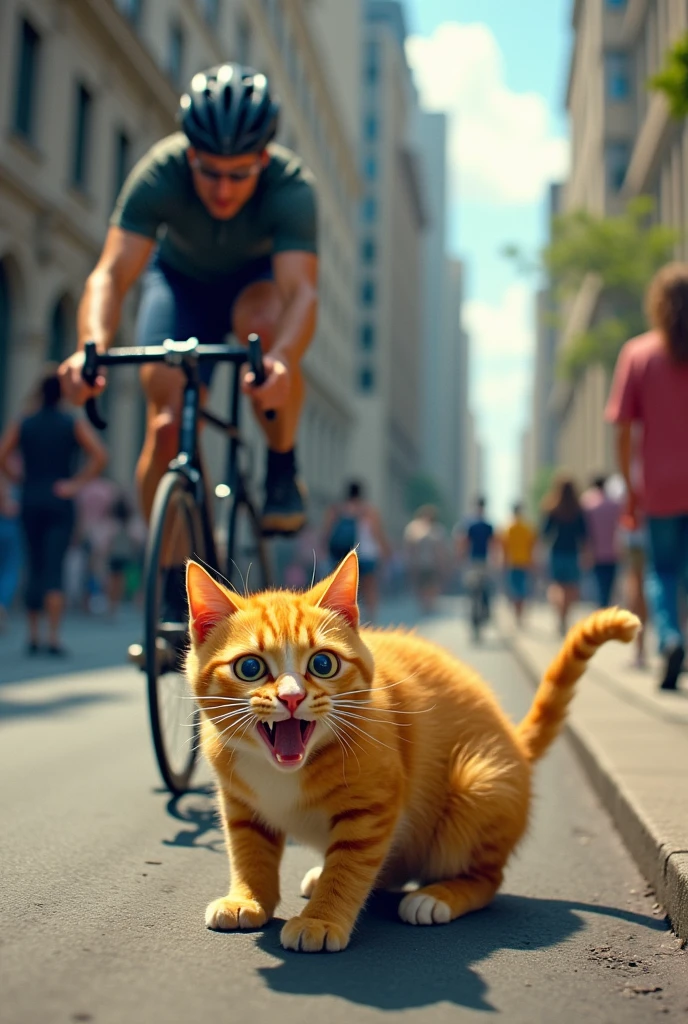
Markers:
<point>392,966</point>
<point>196,809</point>
<point>13,709</point>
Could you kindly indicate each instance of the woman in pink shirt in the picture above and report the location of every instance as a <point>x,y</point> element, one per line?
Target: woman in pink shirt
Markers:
<point>650,387</point>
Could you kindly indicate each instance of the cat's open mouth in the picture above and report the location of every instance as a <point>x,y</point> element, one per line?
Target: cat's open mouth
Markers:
<point>287,740</point>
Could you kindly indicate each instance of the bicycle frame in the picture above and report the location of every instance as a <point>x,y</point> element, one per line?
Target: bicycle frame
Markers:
<point>186,356</point>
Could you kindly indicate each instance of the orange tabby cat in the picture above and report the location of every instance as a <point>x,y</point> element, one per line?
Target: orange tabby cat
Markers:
<point>376,748</point>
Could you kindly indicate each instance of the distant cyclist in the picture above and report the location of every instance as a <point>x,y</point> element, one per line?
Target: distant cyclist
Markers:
<point>474,541</point>
<point>221,223</point>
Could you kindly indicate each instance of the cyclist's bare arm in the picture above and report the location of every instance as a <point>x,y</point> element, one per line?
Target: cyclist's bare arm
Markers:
<point>296,277</point>
<point>122,260</point>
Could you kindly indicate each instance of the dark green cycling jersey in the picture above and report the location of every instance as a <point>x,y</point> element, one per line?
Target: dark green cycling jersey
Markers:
<point>158,200</point>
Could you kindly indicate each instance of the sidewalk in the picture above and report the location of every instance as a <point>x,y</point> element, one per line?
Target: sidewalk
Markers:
<point>633,743</point>
<point>93,642</point>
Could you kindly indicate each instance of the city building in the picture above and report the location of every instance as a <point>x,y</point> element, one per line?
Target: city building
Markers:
<point>624,144</point>
<point>388,443</point>
<point>444,351</point>
<point>85,89</point>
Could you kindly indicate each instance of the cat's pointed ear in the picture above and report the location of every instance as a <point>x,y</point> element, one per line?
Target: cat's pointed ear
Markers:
<point>209,603</point>
<point>340,591</point>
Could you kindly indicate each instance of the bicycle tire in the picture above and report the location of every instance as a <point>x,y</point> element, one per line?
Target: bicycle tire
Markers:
<point>174,721</point>
<point>248,562</point>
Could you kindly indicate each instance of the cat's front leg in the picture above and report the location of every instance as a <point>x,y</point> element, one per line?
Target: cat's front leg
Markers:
<point>359,841</point>
<point>254,855</point>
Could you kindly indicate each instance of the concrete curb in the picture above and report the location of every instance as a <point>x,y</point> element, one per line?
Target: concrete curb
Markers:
<point>664,867</point>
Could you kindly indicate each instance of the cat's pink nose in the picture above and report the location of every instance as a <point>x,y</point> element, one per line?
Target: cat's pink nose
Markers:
<point>292,700</point>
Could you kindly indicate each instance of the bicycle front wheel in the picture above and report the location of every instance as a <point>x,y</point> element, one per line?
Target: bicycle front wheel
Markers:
<point>248,562</point>
<point>175,535</point>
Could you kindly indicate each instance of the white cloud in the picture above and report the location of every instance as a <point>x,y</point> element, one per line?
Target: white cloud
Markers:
<point>505,330</point>
<point>501,148</point>
<point>502,344</point>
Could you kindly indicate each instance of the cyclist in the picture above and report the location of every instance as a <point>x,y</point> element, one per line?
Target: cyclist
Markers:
<point>474,542</point>
<point>221,223</point>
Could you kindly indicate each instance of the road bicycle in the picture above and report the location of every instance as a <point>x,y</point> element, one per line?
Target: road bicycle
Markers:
<point>181,527</point>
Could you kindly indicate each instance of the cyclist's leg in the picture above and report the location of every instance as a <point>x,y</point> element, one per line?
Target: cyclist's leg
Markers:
<point>257,310</point>
<point>171,306</point>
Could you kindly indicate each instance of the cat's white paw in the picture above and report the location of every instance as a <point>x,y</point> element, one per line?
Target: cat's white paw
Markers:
<point>309,880</point>
<point>417,908</point>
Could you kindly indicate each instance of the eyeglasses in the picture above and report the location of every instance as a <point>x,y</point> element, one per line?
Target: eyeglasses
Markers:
<point>242,174</point>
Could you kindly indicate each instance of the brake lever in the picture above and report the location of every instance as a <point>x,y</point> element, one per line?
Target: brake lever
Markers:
<point>255,356</point>
<point>89,373</point>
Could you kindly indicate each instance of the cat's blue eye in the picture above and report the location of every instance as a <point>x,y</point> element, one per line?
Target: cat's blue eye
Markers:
<point>250,669</point>
<point>323,665</point>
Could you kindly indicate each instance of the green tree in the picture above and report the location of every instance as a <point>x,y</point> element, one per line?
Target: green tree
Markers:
<point>623,253</point>
<point>424,490</point>
<point>672,80</point>
<point>543,481</point>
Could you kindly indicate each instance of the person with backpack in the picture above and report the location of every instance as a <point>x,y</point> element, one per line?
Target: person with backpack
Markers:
<point>355,523</point>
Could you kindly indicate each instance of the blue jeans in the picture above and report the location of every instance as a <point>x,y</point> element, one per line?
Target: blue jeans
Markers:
<point>10,559</point>
<point>667,569</point>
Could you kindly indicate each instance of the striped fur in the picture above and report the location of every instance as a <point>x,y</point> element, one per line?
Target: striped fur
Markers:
<point>412,772</point>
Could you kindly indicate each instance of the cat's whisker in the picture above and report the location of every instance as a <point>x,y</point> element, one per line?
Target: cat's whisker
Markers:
<point>369,689</point>
<point>375,721</point>
<point>352,725</point>
<point>346,745</point>
<point>370,707</point>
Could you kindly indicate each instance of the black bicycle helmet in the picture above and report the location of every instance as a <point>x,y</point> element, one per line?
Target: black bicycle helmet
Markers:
<point>228,111</point>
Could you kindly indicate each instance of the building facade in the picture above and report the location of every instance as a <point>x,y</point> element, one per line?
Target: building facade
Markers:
<point>624,144</point>
<point>86,86</point>
<point>387,447</point>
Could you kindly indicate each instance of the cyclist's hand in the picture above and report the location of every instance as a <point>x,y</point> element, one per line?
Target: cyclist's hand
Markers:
<point>274,392</point>
<point>74,388</point>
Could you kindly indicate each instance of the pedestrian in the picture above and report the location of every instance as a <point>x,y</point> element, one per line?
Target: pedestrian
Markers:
<point>49,440</point>
<point>475,545</point>
<point>518,544</point>
<point>650,388</point>
<point>122,552</point>
<point>602,516</point>
<point>356,523</point>
<point>564,527</point>
<point>10,547</point>
<point>425,549</point>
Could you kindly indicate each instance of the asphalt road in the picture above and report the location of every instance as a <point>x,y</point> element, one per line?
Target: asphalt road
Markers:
<point>105,881</point>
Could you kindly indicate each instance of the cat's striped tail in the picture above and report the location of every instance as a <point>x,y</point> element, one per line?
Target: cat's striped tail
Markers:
<point>548,711</point>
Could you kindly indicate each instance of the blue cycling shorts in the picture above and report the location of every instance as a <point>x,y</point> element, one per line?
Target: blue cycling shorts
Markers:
<point>174,305</point>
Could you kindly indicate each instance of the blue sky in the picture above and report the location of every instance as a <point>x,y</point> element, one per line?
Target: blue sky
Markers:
<point>499,68</point>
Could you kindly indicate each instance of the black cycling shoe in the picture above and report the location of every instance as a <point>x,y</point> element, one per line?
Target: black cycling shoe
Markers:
<point>284,511</point>
<point>673,662</point>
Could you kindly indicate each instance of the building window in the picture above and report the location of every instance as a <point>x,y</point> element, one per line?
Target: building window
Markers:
<point>175,53</point>
<point>618,4</point>
<point>369,210</point>
<point>617,157</point>
<point>368,250</point>
<point>617,75</point>
<point>211,11</point>
<point>372,63</point>
<point>370,128</point>
<point>82,136</point>
<point>368,293</point>
<point>370,168</point>
<point>122,161</point>
<point>27,76</point>
<point>366,378</point>
<point>367,337</point>
<point>131,9</point>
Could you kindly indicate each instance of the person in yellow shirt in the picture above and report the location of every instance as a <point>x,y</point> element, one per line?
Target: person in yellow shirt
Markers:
<point>518,544</point>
